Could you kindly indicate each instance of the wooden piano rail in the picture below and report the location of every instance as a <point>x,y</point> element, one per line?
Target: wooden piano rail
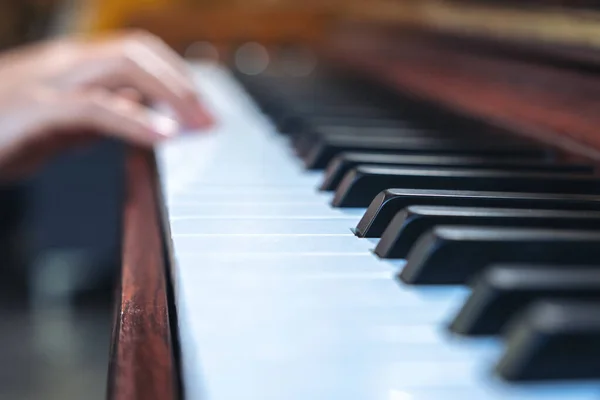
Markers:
<point>142,364</point>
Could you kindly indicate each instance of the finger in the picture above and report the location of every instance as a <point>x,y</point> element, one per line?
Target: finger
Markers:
<point>130,94</point>
<point>145,63</point>
<point>136,69</point>
<point>110,115</point>
<point>186,100</point>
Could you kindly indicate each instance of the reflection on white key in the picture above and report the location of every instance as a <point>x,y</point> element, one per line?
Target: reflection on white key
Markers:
<point>399,395</point>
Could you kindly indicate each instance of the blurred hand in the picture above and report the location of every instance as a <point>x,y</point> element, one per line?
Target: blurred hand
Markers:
<point>57,94</point>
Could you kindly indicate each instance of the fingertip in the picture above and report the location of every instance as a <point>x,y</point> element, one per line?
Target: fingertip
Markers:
<point>206,120</point>
<point>200,119</point>
<point>131,95</point>
<point>164,126</point>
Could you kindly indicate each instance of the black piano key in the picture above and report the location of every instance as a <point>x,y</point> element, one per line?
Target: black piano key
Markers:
<point>349,130</point>
<point>292,118</point>
<point>556,340</point>
<point>388,203</point>
<point>411,136</point>
<point>304,143</point>
<point>303,124</point>
<point>329,147</point>
<point>341,111</point>
<point>362,184</point>
<point>344,162</point>
<point>326,133</point>
<point>449,255</point>
<point>502,291</point>
<point>358,122</point>
<point>409,224</point>
<point>398,120</point>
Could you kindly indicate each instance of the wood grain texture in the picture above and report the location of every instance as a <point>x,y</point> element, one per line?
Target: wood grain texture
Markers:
<point>551,104</point>
<point>142,364</point>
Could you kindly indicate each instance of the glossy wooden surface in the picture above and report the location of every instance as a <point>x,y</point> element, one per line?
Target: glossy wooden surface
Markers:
<point>570,23</point>
<point>142,364</point>
<point>182,26</point>
<point>546,101</point>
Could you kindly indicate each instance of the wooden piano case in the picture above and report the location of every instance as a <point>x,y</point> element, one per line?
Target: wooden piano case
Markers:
<point>143,356</point>
<point>528,82</point>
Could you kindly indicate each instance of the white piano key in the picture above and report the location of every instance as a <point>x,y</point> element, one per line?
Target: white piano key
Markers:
<point>286,266</point>
<point>226,210</point>
<point>245,178</point>
<point>236,195</point>
<point>477,394</point>
<point>273,244</point>
<point>198,227</point>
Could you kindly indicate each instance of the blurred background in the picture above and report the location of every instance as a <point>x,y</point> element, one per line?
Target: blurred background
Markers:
<point>59,247</point>
<point>61,233</point>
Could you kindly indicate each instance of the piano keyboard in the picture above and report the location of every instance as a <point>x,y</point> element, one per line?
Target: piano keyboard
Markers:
<point>291,223</point>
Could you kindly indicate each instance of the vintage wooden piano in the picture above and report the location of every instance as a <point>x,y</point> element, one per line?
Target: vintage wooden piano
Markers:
<point>400,202</point>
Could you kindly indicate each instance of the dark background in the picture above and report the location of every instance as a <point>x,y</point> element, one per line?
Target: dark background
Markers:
<point>60,255</point>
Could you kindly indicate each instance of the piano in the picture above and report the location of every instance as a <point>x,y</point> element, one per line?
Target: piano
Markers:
<point>412,215</point>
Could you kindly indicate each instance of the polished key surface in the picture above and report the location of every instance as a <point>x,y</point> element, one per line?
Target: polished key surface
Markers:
<point>554,340</point>
<point>343,163</point>
<point>387,204</point>
<point>412,134</point>
<point>313,138</point>
<point>361,185</point>
<point>315,122</point>
<point>449,255</point>
<point>319,156</point>
<point>503,291</point>
<point>410,224</point>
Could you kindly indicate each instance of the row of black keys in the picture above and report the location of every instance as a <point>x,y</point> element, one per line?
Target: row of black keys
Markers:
<point>458,198</point>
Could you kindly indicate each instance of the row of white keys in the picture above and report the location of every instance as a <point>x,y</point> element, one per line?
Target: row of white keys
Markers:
<point>277,299</point>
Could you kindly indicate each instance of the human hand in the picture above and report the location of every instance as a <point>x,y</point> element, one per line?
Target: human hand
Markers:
<point>58,94</point>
